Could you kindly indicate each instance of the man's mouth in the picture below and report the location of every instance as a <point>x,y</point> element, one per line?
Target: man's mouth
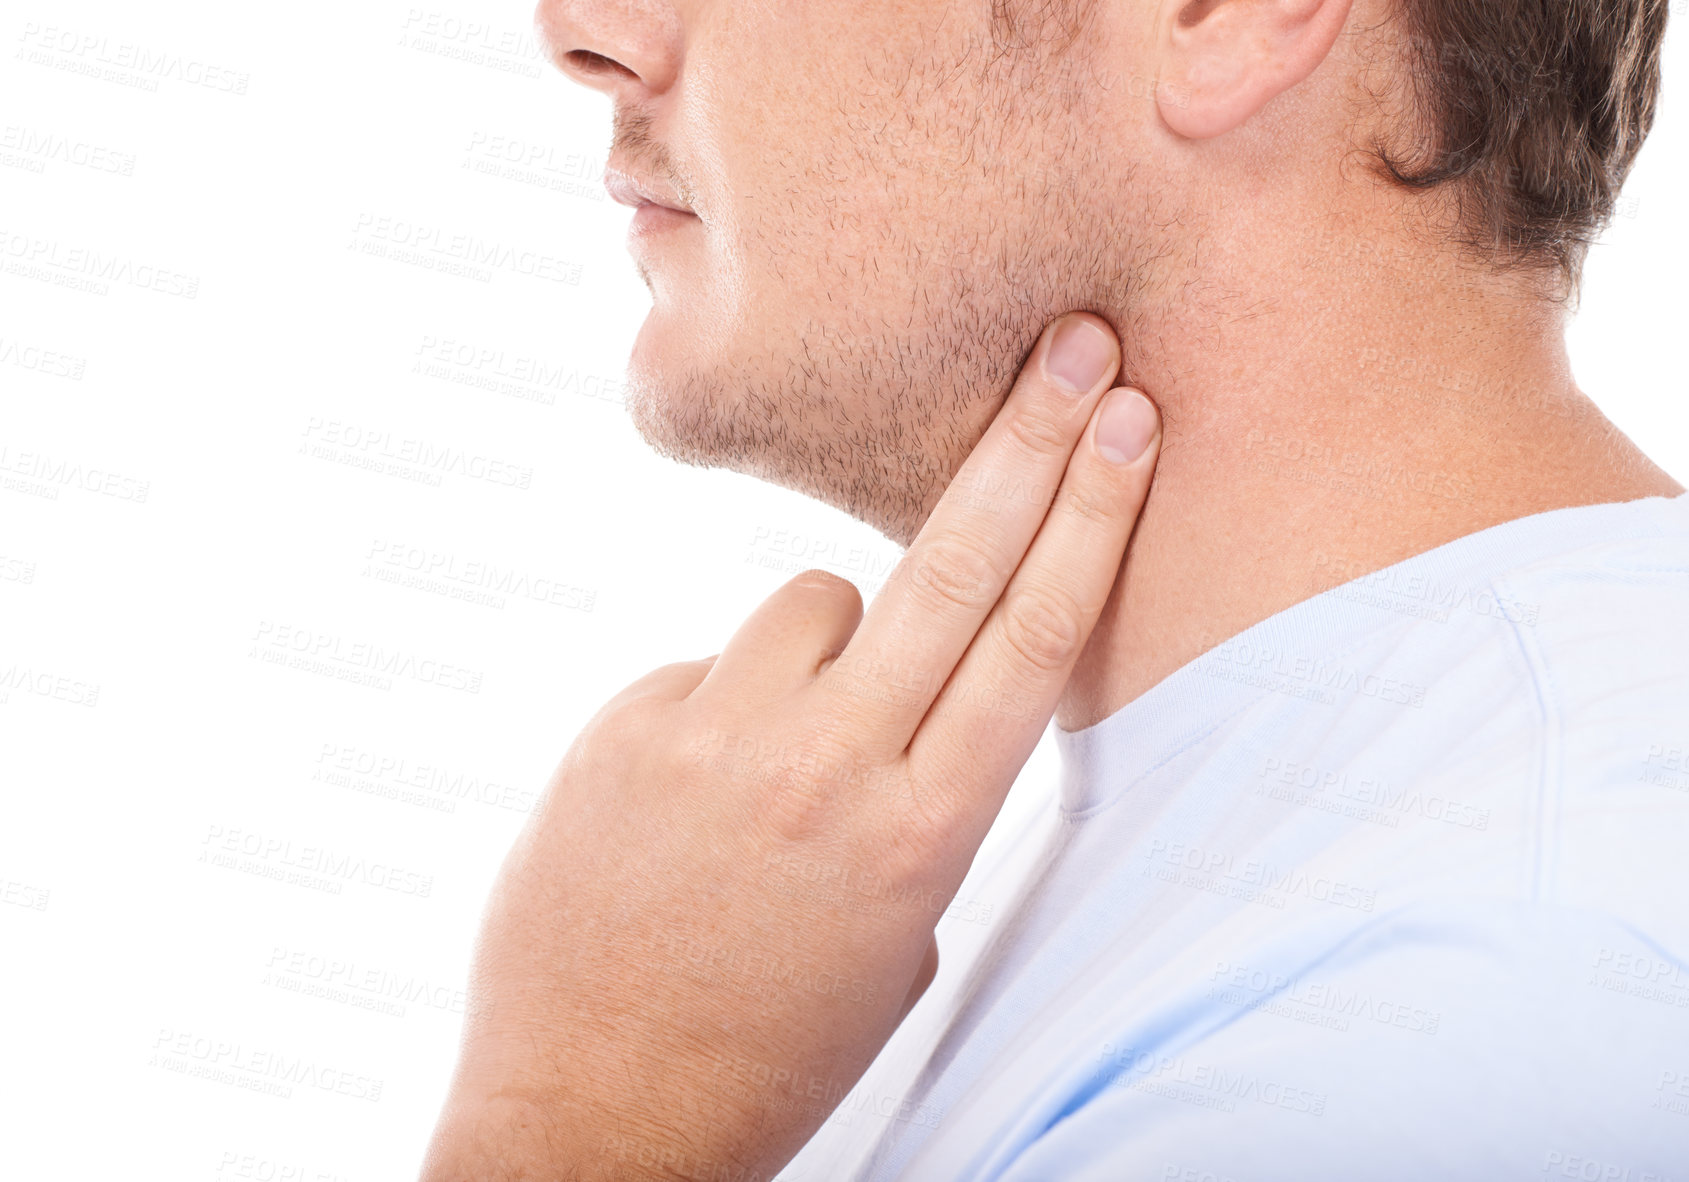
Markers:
<point>653,219</point>
<point>625,188</point>
<point>656,206</point>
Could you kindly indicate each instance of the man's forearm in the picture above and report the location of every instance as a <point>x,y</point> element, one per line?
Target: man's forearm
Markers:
<point>501,1141</point>
<point>505,1140</point>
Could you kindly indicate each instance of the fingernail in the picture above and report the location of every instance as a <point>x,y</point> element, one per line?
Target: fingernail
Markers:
<point>1079,354</point>
<point>1125,425</point>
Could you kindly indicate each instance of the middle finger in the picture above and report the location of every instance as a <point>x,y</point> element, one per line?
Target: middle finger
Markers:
<point>929,611</point>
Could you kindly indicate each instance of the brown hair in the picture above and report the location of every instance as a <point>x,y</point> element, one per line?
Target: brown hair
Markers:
<point>1530,113</point>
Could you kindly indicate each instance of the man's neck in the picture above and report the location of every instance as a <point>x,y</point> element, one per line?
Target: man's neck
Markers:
<point>1369,415</point>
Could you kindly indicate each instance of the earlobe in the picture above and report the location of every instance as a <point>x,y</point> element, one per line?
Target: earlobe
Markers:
<point>1224,60</point>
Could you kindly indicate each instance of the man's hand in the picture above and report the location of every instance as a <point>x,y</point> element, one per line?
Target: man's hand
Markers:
<point>725,903</point>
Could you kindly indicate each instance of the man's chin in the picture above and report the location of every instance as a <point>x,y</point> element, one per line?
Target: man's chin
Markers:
<point>880,447</point>
<point>691,418</point>
<point>709,422</point>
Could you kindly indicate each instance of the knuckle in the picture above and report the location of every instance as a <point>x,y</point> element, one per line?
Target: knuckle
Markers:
<point>1044,627</point>
<point>1038,431</point>
<point>1090,504</point>
<point>918,835</point>
<point>628,725</point>
<point>955,573</point>
<point>922,834</point>
<point>907,852</point>
<point>801,786</point>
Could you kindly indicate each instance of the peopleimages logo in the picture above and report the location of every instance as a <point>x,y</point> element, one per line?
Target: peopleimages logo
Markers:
<point>56,472</point>
<point>98,55</point>
<point>22,894</point>
<point>255,1068</point>
<point>1206,1085</point>
<point>35,149</point>
<point>1303,675</point>
<point>377,448</point>
<point>46,362</point>
<point>1320,1003</point>
<point>357,660</point>
<point>366,987</point>
<point>474,579</point>
<point>44,683</point>
<point>224,847</point>
<point>512,374</point>
<point>1250,878</point>
<point>408,241</point>
<point>410,781</point>
<point>87,269</point>
<point>1369,798</point>
<point>471,42</point>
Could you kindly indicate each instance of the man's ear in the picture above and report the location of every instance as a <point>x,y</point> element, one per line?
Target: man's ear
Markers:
<point>1223,60</point>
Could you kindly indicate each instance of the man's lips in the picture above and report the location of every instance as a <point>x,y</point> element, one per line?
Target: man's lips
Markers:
<point>627,189</point>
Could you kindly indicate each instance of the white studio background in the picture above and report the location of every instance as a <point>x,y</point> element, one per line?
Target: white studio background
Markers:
<point>219,309</point>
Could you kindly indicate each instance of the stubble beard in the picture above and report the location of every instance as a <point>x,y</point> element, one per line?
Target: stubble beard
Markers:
<point>876,422</point>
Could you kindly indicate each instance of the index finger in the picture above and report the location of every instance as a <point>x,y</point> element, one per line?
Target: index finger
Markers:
<point>945,586</point>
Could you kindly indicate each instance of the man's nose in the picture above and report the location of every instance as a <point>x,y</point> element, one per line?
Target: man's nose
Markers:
<point>617,46</point>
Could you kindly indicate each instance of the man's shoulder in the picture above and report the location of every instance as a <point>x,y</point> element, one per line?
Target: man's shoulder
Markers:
<point>1621,593</point>
<point>1575,663</point>
<point>1604,638</point>
<point>1452,1038</point>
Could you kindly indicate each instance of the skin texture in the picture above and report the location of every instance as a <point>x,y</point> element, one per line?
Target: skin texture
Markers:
<point>894,197</point>
<point>832,323</point>
<point>661,989</point>
<point>890,203</point>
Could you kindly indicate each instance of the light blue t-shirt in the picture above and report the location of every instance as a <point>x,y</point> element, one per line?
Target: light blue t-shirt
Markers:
<point>1393,885</point>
